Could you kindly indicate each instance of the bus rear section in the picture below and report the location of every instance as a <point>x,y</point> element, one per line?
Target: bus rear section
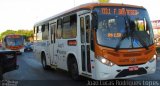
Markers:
<point>98,41</point>
<point>14,42</point>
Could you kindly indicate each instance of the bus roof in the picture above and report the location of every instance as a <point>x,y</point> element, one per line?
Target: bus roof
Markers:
<point>88,6</point>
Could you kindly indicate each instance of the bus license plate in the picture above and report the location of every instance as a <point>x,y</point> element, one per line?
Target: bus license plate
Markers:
<point>133,68</point>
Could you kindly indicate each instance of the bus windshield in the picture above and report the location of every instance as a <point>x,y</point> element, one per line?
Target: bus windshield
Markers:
<point>14,41</point>
<point>123,27</point>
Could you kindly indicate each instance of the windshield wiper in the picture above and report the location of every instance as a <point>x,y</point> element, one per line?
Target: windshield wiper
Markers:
<point>143,43</point>
<point>131,27</point>
<point>125,35</point>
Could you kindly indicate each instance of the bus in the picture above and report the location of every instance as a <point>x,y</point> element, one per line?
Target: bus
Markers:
<point>13,42</point>
<point>100,41</point>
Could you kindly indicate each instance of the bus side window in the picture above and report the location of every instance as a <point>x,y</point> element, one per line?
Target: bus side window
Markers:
<point>82,29</point>
<point>39,33</point>
<point>69,27</point>
<point>45,32</point>
<point>54,33</point>
<point>34,30</point>
<point>87,22</point>
<point>66,27</point>
<point>35,33</point>
<point>43,28</point>
<point>37,29</point>
<point>59,29</point>
<point>73,26</point>
<point>51,32</point>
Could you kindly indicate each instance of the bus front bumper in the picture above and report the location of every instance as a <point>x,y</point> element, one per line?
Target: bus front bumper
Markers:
<point>104,72</point>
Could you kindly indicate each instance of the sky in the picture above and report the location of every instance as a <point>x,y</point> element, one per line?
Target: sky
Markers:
<point>23,14</point>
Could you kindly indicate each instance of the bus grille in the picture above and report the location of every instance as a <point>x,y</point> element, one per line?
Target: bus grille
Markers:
<point>132,54</point>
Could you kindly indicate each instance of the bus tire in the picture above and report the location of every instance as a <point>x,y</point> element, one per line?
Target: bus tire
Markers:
<point>73,69</point>
<point>43,61</point>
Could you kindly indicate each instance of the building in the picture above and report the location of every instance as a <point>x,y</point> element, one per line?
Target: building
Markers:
<point>156,30</point>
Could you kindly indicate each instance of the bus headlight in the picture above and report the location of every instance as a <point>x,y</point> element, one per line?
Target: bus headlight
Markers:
<point>153,58</point>
<point>105,61</point>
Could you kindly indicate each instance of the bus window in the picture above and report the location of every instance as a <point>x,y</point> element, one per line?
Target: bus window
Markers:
<point>35,33</point>
<point>141,24</point>
<point>70,26</point>
<point>39,32</point>
<point>82,29</point>
<point>45,32</point>
<point>14,40</point>
<point>59,29</point>
<point>112,26</point>
<point>34,30</point>
<point>66,27</point>
<point>73,26</point>
<point>52,32</point>
<point>43,28</point>
<point>37,29</point>
<point>88,29</point>
<point>87,20</point>
<point>40,29</point>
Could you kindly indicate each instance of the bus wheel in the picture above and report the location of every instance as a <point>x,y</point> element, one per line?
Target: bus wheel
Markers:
<point>1,73</point>
<point>43,61</point>
<point>74,70</point>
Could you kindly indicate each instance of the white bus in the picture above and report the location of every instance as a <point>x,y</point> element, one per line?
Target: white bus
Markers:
<point>98,40</point>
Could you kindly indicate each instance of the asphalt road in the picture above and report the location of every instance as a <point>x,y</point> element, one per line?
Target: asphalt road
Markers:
<point>31,73</point>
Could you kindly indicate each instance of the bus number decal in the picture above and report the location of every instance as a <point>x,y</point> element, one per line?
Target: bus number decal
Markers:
<point>115,35</point>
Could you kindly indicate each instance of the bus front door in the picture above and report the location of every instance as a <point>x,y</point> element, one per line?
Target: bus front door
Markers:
<point>85,30</point>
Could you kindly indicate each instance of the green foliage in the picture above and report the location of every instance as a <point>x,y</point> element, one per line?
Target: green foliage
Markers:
<point>25,33</point>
